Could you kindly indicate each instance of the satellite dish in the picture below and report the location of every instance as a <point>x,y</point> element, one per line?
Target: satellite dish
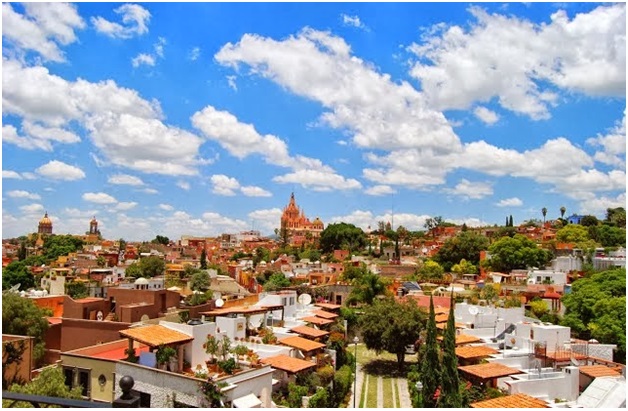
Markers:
<point>574,362</point>
<point>473,310</point>
<point>220,302</point>
<point>145,317</point>
<point>304,299</point>
<point>15,288</point>
<point>100,316</point>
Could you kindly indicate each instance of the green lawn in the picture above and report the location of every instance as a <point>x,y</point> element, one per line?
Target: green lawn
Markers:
<point>388,392</point>
<point>371,401</point>
<point>363,393</point>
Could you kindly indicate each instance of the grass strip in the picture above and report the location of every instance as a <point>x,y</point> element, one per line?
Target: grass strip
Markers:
<point>363,393</point>
<point>388,393</point>
<point>371,401</point>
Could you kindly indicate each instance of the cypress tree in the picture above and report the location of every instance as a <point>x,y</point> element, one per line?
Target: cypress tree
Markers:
<point>511,223</point>
<point>507,222</point>
<point>203,259</point>
<point>430,367</point>
<point>450,392</point>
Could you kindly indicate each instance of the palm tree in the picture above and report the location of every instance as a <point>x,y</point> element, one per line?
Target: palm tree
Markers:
<point>562,211</point>
<point>544,211</point>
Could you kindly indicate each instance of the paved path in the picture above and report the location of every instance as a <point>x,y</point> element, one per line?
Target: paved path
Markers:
<point>380,392</point>
<point>404,395</point>
<point>360,380</point>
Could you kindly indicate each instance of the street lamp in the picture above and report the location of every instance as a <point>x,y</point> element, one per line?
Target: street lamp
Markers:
<point>270,318</point>
<point>419,388</point>
<point>355,369</point>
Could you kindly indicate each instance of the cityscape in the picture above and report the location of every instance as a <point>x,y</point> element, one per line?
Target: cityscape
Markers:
<point>304,205</point>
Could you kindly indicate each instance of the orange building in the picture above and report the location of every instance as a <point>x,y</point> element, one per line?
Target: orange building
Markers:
<point>298,226</point>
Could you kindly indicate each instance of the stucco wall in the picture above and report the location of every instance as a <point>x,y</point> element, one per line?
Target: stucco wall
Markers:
<point>83,333</point>
<point>97,368</point>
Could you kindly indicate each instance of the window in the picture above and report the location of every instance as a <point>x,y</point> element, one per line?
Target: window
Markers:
<point>538,279</point>
<point>291,300</point>
<point>82,379</point>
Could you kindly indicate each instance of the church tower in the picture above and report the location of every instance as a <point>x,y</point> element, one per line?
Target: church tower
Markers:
<point>93,226</point>
<point>45,225</point>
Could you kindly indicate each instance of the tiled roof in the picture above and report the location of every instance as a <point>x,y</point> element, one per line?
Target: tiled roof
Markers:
<point>469,351</point>
<point>317,320</point>
<point>309,331</point>
<point>463,339</point>
<point>443,326</point>
<point>325,314</point>
<point>286,363</point>
<point>512,401</point>
<point>489,370</point>
<point>441,318</point>
<point>155,335</point>
<point>302,344</point>
<point>595,371</point>
<point>328,306</point>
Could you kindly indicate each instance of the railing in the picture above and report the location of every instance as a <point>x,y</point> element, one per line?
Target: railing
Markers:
<point>38,400</point>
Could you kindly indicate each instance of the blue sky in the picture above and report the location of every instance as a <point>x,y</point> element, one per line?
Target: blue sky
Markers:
<point>200,119</point>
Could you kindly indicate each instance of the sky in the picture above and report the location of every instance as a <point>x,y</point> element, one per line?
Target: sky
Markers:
<point>202,118</point>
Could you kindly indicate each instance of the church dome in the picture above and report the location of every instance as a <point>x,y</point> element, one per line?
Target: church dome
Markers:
<point>45,220</point>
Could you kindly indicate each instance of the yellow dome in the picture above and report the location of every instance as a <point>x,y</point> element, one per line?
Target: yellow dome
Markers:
<point>45,220</point>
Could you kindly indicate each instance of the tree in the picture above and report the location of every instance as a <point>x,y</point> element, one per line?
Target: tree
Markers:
<point>388,325</point>
<point>21,254</point>
<point>76,289</point>
<point>544,212</point>
<point>450,393</point>
<point>608,236</point>
<point>276,281</point>
<point>466,245</point>
<point>562,212</point>
<point>365,288</point>
<point>490,292</point>
<point>161,240</point>
<point>211,346</point>
<point>464,267</point>
<point>589,220</point>
<point>510,222</point>
<point>50,383</point>
<point>432,223</point>
<point>122,245</point>
<point>573,233</point>
<point>15,273</point>
<point>507,254</point>
<point>200,281</point>
<point>203,259</point>
<point>133,271</point>
<point>431,270</point>
<point>101,261</point>
<point>616,217</point>
<point>342,236</point>
<point>20,316</point>
<point>430,364</point>
<point>152,266</point>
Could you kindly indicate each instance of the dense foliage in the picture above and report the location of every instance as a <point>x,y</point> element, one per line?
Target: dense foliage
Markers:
<point>430,363</point>
<point>147,267</point>
<point>596,308</point>
<point>507,254</point>
<point>450,392</point>
<point>20,316</point>
<point>50,383</point>
<point>276,282</point>
<point>342,236</point>
<point>466,245</point>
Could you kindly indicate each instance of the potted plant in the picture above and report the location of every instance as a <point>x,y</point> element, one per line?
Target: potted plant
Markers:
<point>211,347</point>
<point>164,355</point>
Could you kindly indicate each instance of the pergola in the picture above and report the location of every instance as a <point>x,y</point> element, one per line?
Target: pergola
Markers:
<point>309,331</point>
<point>156,335</point>
<point>469,353</point>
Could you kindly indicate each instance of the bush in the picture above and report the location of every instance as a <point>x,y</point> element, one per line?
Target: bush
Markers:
<point>342,384</point>
<point>295,392</point>
<point>326,374</point>
<point>227,366</point>
<point>320,399</point>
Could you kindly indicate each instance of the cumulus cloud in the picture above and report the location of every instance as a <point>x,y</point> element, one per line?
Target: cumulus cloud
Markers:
<point>42,29</point>
<point>487,116</point>
<point>353,21</point>
<point>194,54</point>
<point>521,63</point>
<point>149,191</point>
<point>510,202</point>
<point>99,198</point>
<point>125,205</point>
<point>166,207</point>
<point>471,190</point>
<point>183,185</point>
<point>254,191</point>
<point>227,186</point>
<point>266,220</point>
<point>37,137</point>
<point>23,194</point>
<point>319,180</point>
<point>613,145</point>
<point>143,58</point>
<point>135,20</point>
<point>231,80</point>
<point>58,170</point>
<point>125,179</point>
<point>379,190</point>
<point>11,174</point>
<point>32,209</point>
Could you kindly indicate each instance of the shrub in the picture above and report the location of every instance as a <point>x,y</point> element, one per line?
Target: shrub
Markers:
<point>326,374</point>
<point>342,384</point>
<point>227,366</point>
<point>320,399</point>
<point>295,392</point>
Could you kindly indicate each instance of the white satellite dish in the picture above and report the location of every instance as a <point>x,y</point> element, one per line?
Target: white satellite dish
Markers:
<point>14,289</point>
<point>100,316</point>
<point>473,310</point>
<point>220,302</point>
<point>145,317</point>
<point>304,299</point>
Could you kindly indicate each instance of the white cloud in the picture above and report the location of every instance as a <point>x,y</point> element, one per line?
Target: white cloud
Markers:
<point>487,116</point>
<point>135,20</point>
<point>11,136</point>
<point>58,170</point>
<point>32,209</point>
<point>231,80</point>
<point>143,58</point>
<point>29,176</point>
<point>266,221</point>
<point>254,191</point>
<point>318,180</point>
<point>149,191</point>
<point>42,28</point>
<point>159,46</point>
<point>613,145</point>
<point>341,142</point>
<point>183,185</point>
<point>194,54</point>
<point>379,190</point>
<point>125,179</point>
<point>510,202</point>
<point>11,174</point>
<point>224,185</point>
<point>319,66</point>
<point>166,207</point>
<point>123,206</point>
<point>366,219</point>
<point>99,198</point>
<point>521,63</point>
<point>468,189</point>
<point>37,137</point>
<point>353,21</point>
<point>598,205</point>
<point>23,194</point>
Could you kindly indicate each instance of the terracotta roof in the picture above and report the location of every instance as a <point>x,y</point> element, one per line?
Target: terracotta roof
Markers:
<point>564,355</point>
<point>489,370</point>
<point>595,371</point>
<point>469,351</point>
<point>441,318</point>
<point>325,314</point>
<point>463,339</point>
<point>289,364</point>
<point>443,326</point>
<point>317,320</point>
<point>328,306</point>
<point>302,344</point>
<point>155,335</point>
<point>309,331</point>
<point>512,401</point>
<point>54,320</point>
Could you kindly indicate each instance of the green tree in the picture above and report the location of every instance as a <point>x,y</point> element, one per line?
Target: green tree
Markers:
<point>608,236</point>
<point>464,267</point>
<point>450,393</point>
<point>20,316</point>
<point>430,363</point>
<point>366,288</point>
<point>101,261</point>
<point>616,217</point>
<point>466,245</point>
<point>203,259</point>
<point>276,282</point>
<point>21,254</point>
<point>539,308</point>
<point>133,271</point>
<point>295,393</point>
<point>342,236</point>
<point>388,325</point>
<point>200,281</point>
<point>573,233</point>
<point>122,245</point>
<point>320,399</point>
<point>589,220</point>
<point>562,212</point>
<point>507,254</point>
<point>17,272</point>
<point>431,270</point>
<point>50,383</point>
<point>489,292</point>
<point>76,289</point>
<point>433,222</point>
<point>161,240</point>
<point>544,212</point>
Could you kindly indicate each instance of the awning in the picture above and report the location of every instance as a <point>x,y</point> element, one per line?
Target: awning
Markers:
<point>248,401</point>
